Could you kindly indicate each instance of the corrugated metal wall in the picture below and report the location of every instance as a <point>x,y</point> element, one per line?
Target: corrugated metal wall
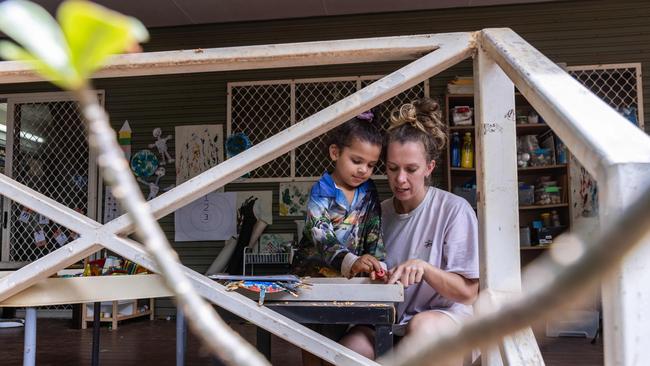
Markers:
<point>574,32</point>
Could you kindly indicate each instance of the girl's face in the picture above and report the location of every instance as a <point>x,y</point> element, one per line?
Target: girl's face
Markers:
<point>354,164</point>
<point>407,169</point>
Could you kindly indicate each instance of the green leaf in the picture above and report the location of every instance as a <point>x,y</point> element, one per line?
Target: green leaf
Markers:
<point>32,27</point>
<point>94,33</point>
<point>11,51</point>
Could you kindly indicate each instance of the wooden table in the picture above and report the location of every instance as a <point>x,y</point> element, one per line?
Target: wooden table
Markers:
<point>328,301</point>
<point>381,315</point>
<point>74,290</point>
<point>337,301</point>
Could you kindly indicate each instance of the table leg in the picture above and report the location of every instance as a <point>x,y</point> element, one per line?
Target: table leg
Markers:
<point>181,337</point>
<point>29,354</point>
<point>383,339</point>
<point>264,342</point>
<point>97,308</point>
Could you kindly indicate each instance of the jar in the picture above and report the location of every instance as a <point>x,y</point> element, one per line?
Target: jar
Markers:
<point>546,219</point>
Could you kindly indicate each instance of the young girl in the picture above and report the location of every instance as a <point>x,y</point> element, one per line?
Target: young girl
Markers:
<point>342,234</point>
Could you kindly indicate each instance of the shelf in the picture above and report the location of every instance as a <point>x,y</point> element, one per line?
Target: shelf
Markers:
<point>462,128</point>
<point>121,317</point>
<point>536,247</point>
<point>531,128</point>
<point>463,169</point>
<point>545,167</point>
<point>522,128</point>
<point>530,168</point>
<point>543,207</point>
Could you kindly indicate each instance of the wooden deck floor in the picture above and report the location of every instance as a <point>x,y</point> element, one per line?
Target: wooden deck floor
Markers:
<point>142,342</point>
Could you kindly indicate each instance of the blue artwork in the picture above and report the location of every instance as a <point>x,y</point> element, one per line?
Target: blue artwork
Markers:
<point>144,163</point>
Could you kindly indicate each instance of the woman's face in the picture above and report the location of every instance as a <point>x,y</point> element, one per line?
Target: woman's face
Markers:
<point>407,169</point>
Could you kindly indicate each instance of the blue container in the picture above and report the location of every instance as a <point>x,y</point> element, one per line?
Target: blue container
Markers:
<point>455,150</point>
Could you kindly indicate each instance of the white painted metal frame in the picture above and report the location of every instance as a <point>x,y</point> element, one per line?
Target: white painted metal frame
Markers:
<point>442,51</point>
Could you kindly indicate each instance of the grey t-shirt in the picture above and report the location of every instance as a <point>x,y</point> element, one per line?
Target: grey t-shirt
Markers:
<point>443,231</point>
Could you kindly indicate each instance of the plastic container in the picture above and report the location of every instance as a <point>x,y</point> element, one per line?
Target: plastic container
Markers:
<point>548,195</point>
<point>526,195</point>
<point>467,153</point>
<point>462,115</point>
<point>455,150</point>
<point>541,157</point>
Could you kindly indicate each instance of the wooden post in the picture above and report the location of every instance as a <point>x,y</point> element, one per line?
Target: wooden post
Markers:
<point>498,209</point>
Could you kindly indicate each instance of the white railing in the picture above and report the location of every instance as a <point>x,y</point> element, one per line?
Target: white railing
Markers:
<point>615,153</point>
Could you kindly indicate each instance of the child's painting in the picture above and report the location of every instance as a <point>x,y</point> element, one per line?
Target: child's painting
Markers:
<point>198,148</point>
<point>294,197</point>
<point>584,197</point>
<point>275,243</point>
<point>263,205</point>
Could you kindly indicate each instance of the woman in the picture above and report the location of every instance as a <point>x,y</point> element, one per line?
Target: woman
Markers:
<point>431,235</point>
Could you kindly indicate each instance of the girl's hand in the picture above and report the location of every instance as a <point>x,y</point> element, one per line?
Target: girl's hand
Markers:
<point>408,273</point>
<point>365,264</point>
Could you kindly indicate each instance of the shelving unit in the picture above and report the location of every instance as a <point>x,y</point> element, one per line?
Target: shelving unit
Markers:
<point>459,177</point>
<point>125,309</point>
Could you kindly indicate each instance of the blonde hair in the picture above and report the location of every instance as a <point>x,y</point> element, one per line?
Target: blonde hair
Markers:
<point>419,120</point>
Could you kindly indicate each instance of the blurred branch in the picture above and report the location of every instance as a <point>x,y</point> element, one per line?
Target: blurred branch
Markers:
<point>203,320</point>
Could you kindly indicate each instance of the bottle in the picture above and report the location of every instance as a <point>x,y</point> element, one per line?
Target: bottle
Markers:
<point>467,154</point>
<point>546,219</point>
<point>555,218</point>
<point>455,150</point>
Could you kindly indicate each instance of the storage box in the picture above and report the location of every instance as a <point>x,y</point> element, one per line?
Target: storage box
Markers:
<point>526,195</point>
<point>576,323</point>
<point>548,195</point>
<point>462,115</point>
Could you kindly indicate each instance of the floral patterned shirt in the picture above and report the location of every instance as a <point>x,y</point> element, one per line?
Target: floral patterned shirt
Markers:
<point>334,227</point>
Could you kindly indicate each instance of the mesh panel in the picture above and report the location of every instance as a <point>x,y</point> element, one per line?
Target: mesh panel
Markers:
<point>311,159</point>
<point>384,110</point>
<point>50,155</point>
<point>261,111</point>
<point>616,86</point>
<point>271,103</point>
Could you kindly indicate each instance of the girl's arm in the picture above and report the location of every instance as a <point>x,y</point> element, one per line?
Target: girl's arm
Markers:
<point>448,284</point>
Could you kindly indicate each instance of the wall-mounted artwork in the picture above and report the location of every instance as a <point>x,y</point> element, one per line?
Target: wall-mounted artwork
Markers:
<point>275,243</point>
<point>263,205</point>
<point>584,200</point>
<point>124,139</point>
<point>294,197</point>
<point>211,217</point>
<point>198,148</point>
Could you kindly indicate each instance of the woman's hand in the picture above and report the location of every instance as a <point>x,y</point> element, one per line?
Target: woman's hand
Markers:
<point>365,264</point>
<point>408,273</point>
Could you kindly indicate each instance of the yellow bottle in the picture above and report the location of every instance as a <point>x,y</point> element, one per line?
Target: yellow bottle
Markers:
<point>467,153</point>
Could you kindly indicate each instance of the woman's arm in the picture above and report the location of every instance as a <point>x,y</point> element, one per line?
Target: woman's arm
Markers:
<point>450,285</point>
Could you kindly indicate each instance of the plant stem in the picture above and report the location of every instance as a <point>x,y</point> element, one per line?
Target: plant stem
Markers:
<point>213,332</point>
